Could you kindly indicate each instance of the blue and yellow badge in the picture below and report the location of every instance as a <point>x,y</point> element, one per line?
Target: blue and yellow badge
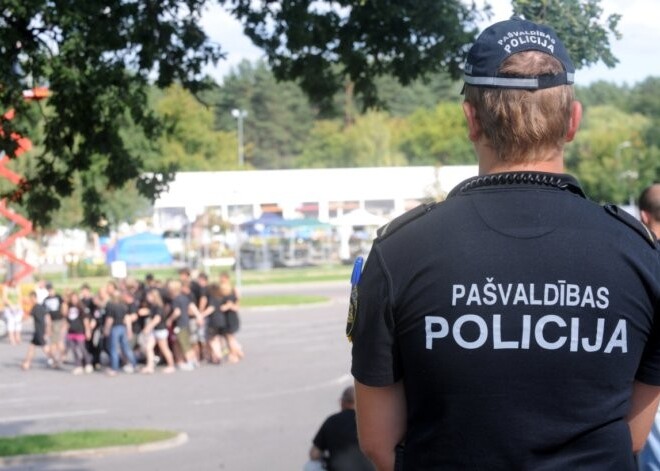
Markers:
<point>353,301</point>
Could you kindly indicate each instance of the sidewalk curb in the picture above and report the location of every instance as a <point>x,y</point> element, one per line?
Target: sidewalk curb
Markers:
<point>178,440</point>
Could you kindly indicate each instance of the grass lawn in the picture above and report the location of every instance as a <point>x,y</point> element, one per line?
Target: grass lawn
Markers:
<point>38,444</point>
<point>259,277</point>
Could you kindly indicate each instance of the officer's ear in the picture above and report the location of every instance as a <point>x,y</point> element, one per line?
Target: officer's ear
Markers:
<point>645,217</point>
<point>574,122</point>
<point>474,127</point>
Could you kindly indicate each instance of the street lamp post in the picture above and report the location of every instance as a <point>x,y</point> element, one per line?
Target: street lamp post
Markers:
<point>240,116</point>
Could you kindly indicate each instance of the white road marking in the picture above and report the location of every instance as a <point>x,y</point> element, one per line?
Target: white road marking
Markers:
<point>56,415</point>
<point>18,400</point>
<point>300,336</point>
<point>343,379</point>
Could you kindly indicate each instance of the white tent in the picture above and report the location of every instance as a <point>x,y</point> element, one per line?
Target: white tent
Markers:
<point>359,217</point>
<point>356,218</point>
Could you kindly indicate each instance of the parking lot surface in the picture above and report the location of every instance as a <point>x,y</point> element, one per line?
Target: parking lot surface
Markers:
<point>260,414</point>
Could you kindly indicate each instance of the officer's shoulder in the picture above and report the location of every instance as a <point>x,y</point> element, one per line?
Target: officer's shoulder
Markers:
<point>406,218</point>
<point>629,220</point>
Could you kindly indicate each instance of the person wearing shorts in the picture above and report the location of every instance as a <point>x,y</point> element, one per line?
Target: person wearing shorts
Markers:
<point>179,319</point>
<point>155,333</point>
<point>42,326</point>
<point>14,317</point>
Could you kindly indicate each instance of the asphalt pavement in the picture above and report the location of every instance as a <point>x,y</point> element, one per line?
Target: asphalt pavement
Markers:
<point>259,414</point>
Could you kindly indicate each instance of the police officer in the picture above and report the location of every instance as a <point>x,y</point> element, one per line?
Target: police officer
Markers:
<point>649,211</point>
<point>649,208</point>
<point>511,326</point>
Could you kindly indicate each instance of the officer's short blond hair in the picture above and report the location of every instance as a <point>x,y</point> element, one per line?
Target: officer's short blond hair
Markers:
<point>521,125</point>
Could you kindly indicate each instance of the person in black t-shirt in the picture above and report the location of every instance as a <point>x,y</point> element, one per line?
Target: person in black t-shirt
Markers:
<point>216,323</point>
<point>229,305</point>
<point>336,442</point>
<point>155,332</point>
<point>116,330</point>
<point>53,303</point>
<point>78,331</point>
<point>195,289</point>
<point>42,326</point>
<point>515,325</point>
<point>94,313</point>
<point>179,320</point>
<point>132,297</point>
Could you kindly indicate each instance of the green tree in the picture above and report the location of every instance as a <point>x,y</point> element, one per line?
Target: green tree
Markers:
<point>437,136</point>
<point>580,23</point>
<point>604,93</point>
<point>327,147</point>
<point>645,99</point>
<point>402,100</point>
<point>609,154</point>
<point>99,58</point>
<point>321,43</point>
<point>190,141</point>
<point>279,115</point>
<point>124,204</point>
<point>371,141</point>
<point>641,150</point>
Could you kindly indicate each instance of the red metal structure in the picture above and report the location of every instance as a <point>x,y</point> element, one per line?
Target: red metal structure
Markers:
<point>25,226</point>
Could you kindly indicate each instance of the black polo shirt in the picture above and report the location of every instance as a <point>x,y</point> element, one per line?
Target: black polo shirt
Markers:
<point>517,313</point>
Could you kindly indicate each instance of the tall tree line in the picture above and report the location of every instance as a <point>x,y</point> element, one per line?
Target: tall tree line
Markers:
<point>614,155</point>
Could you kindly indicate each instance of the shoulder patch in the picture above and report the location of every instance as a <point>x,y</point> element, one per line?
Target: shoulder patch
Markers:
<point>632,222</point>
<point>409,216</point>
<point>352,313</point>
<point>353,301</point>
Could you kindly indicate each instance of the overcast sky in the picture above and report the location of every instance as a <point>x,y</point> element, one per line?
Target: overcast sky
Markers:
<point>637,50</point>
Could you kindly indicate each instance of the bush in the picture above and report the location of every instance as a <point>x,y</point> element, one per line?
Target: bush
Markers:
<point>86,269</point>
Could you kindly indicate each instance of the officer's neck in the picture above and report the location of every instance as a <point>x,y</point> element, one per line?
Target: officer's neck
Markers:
<point>489,163</point>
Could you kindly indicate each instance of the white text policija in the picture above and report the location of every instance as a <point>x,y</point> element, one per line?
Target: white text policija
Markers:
<point>560,294</point>
<point>517,38</point>
<point>532,331</point>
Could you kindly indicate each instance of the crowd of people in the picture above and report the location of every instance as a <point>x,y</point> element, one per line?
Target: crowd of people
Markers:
<point>169,325</point>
